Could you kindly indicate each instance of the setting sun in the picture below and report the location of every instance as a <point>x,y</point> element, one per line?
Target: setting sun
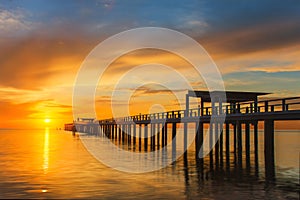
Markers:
<point>47,120</point>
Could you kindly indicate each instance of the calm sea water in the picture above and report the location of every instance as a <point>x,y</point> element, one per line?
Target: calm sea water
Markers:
<point>54,164</point>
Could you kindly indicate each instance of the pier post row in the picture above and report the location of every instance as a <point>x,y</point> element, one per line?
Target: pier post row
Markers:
<point>242,110</point>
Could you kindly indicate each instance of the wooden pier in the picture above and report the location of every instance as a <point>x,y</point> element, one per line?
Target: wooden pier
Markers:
<point>241,111</point>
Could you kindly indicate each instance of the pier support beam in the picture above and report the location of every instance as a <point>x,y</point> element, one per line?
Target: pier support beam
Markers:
<point>185,132</point>
<point>269,149</point>
<point>146,137</point>
<point>120,133</point>
<point>166,134</point>
<point>255,127</point>
<point>211,140</point>
<point>235,142</point>
<point>153,136</point>
<point>217,145</point>
<point>112,131</point>
<point>140,137</point>
<point>199,141</point>
<point>247,144</point>
<point>129,134</point>
<point>116,131</point>
<point>227,144</point>
<point>163,135</point>
<point>134,134</point>
<point>173,141</point>
<point>239,145</point>
<point>158,135</point>
<point>221,144</point>
<point>123,133</point>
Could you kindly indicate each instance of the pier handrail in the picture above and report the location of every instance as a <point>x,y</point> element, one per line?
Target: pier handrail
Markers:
<point>238,108</point>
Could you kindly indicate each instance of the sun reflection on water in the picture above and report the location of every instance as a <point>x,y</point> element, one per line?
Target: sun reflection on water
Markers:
<point>46,151</point>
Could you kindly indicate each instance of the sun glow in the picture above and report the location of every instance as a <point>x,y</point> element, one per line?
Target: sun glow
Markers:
<point>47,120</point>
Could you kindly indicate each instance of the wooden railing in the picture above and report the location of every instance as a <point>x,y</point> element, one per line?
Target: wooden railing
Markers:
<point>272,105</point>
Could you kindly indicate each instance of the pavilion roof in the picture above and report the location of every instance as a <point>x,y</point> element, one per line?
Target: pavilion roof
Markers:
<point>231,96</point>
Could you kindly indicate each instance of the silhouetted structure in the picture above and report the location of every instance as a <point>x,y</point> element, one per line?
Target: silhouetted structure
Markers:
<point>241,110</point>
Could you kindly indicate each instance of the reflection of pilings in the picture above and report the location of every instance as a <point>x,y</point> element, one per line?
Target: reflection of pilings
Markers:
<point>269,149</point>
<point>186,170</point>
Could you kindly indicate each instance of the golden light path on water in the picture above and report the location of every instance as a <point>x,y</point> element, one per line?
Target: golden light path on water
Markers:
<point>46,153</point>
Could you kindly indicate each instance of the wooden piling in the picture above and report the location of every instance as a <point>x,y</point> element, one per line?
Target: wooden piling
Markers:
<point>146,137</point>
<point>199,141</point>
<point>112,131</point>
<point>140,137</point>
<point>129,134</point>
<point>247,144</point>
<point>134,134</point>
<point>173,141</point>
<point>166,134</point>
<point>255,132</point>
<point>119,133</point>
<point>227,149</point>
<point>221,144</point>
<point>217,144</point>
<point>123,133</point>
<point>239,145</point>
<point>185,135</point>
<point>211,140</point>
<point>163,135</point>
<point>269,149</point>
<point>158,135</point>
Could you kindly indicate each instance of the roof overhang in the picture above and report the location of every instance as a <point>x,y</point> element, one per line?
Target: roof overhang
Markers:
<point>231,96</point>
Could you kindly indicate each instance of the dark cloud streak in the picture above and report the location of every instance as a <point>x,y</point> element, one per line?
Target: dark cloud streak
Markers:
<point>237,27</point>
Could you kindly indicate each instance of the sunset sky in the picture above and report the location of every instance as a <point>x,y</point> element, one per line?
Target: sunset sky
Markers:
<point>255,44</point>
